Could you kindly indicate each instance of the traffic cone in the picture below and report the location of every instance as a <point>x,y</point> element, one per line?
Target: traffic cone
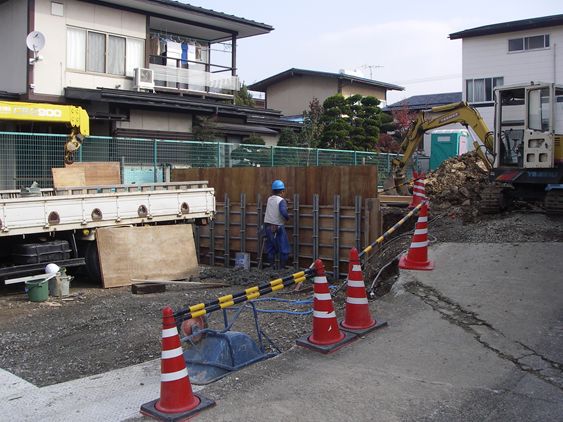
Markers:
<point>326,336</point>
<point>357,318</point>
<point>418,191</point>
<point>177,401</point>
<point>417,256</point>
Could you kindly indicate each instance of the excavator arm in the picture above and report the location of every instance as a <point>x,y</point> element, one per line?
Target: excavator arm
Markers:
<point>76,118</point>
<point>432,119</point>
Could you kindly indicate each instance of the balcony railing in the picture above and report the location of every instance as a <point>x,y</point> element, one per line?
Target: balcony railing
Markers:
<point>192,76</point>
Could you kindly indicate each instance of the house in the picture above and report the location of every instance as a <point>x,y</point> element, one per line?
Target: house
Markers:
<point>509,53</point>
<point>292,91</point>
<point>141,68</point>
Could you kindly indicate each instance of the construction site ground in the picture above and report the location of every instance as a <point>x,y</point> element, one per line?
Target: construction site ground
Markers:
<point>478,338</point>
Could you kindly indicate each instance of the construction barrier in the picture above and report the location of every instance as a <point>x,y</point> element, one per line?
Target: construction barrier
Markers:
<point>357,317</point>
<point>177,400</point>
<point>326,336</point>
<point>251,293</point>
<point>417,256</point>
<point>385,235</point>
<point>418,191</point>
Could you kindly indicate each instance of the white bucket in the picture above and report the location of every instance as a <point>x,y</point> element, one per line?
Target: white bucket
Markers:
<point>59,286</point>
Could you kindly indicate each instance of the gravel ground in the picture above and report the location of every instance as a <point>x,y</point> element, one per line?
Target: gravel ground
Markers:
<point>97,330</point>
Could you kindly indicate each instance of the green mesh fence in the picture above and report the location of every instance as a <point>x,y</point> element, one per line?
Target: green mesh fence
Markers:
<point>25,157</point>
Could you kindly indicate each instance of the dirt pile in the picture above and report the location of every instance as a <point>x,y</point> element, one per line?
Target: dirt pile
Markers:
<point>458,183</point>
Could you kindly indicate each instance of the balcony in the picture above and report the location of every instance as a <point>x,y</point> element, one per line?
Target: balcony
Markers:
<point>193,77</point>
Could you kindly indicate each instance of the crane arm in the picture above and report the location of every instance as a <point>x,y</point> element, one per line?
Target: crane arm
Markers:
<point>437,117</point>
<point>74,117</point>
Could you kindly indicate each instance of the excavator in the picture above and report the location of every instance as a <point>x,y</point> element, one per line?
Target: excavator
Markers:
<point>76,118</point>
<point>524,154</point>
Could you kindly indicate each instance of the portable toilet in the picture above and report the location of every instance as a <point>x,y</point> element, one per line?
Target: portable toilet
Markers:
<point>447,143</point>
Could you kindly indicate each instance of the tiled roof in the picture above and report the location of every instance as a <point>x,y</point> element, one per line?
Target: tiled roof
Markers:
<point>422,102</point>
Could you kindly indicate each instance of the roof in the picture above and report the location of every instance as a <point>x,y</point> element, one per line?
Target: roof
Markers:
<point>513,26</point>
<point>167,102</point>
<point>206,24</point>
<point>264,84</point>
<point>423,102</point>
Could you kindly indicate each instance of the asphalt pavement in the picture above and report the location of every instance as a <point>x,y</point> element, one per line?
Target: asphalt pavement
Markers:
<point>479,338</point>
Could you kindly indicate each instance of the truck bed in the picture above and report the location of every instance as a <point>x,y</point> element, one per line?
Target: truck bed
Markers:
<point>90,207</point>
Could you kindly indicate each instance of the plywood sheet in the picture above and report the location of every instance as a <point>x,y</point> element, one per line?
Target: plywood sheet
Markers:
<point>152,252</point>
<point>68,176</point>
<point>98,173</point>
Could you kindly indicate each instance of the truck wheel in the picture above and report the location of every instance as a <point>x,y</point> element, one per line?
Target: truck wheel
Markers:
<point>92,262</point>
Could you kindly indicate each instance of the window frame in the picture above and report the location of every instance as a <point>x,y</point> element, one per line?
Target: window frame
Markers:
<point>525,41</point>
<point>107,36</point>
<point>488,85</point>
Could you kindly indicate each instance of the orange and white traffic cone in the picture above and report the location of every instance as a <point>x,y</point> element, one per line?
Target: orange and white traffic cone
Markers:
<point>417,256</point>
<point>357,318</point>
<point>418,191</point>
<point>326,336</point>
<point>177,401</point>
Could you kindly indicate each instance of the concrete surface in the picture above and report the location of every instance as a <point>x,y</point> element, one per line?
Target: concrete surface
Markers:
<point>480,338</point>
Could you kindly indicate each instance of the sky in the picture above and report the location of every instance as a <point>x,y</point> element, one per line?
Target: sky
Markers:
<point>400,42</point>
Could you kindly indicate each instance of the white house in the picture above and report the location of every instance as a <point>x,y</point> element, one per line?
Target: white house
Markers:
<point>509,53</point>
<point>87,53</point>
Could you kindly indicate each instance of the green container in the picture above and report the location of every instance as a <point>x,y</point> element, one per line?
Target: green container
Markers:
<point>38,291</point>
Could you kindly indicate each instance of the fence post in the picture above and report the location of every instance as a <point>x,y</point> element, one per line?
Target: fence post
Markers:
<point>388,163</point>
<point>317,157</point>
<point>336,238</point>
<point>296,231</point>
<point>358,221</point>
<point>272,156</point>
<point>155,160</point>
<point>243,222</point>
<point>315,226</point>
<point>355,158</point>
<point>226,239</point>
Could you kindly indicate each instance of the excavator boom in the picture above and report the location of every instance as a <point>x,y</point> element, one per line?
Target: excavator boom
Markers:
<point>434,118</point>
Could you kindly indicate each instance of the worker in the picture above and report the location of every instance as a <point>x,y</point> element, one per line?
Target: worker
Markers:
<point>276,216</point>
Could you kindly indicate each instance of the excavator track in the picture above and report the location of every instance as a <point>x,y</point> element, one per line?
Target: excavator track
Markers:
<point>493,200</point>
<point>553,203</point>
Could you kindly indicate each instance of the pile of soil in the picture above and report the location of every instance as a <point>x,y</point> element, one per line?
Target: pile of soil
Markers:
<point>457,184</point>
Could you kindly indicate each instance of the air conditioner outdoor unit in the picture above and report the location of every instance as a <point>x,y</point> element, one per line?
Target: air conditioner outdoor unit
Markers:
<point>144,79</point>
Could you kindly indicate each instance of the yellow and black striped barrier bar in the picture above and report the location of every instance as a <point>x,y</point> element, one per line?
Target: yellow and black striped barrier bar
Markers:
<point>251,293</point>
<point>389,232</point>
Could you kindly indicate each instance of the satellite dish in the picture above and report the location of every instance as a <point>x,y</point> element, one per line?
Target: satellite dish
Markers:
<point>35,41</point>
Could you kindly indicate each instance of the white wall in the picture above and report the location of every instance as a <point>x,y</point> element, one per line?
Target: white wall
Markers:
<point>13,51</point>
<point>50,74</point>
<point>488,56</point>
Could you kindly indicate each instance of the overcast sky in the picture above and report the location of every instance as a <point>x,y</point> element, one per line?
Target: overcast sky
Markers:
<point>401,42</point>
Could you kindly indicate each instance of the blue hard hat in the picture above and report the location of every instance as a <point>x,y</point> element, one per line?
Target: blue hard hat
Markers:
<point>278,185</point>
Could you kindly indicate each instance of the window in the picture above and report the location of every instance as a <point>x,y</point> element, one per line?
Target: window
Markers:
<point>481,90</point>
<point>528,43</point>
<point>99,52</point>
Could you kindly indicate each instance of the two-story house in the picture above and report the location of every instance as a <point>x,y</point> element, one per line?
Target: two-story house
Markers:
<point>291,91</point>
<point>509,53</point>
<point>141,68</point>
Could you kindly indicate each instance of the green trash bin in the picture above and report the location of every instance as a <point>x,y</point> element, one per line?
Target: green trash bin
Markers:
<point>37,290</point>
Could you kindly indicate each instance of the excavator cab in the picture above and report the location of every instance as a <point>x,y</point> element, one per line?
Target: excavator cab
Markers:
<point>528,133</point>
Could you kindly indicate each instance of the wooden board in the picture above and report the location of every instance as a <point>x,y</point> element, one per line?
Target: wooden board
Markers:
<point>346,181</point>
<point>152,252</point>
<point>68,176</point>
<point>87,174</point>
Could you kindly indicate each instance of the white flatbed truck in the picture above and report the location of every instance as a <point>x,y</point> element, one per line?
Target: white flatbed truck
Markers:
<point>59,225</point>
